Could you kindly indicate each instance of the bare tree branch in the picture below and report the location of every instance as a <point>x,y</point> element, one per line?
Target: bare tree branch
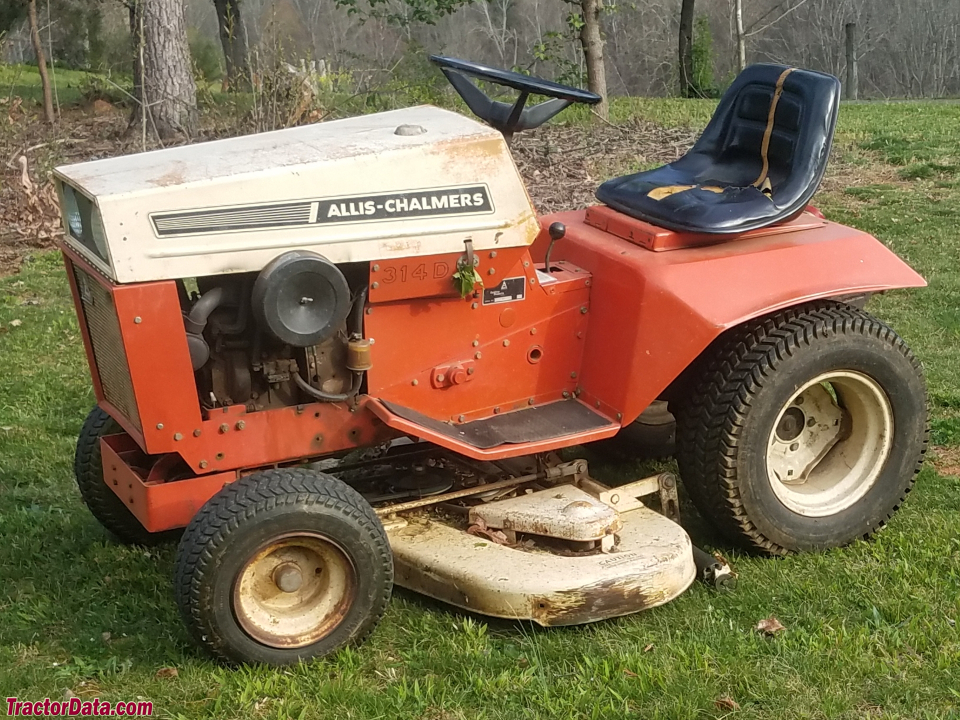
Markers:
<point>770,24</point>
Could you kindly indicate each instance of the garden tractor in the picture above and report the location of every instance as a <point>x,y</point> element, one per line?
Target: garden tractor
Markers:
<point>350,354</point>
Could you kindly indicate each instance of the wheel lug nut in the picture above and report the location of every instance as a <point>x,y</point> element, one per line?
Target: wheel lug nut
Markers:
<point>794,446</point>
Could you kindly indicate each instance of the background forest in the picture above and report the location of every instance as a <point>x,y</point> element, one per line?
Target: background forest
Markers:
<point>905,48</point>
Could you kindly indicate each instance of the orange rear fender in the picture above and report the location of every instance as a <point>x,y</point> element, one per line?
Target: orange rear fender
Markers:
<point>653,313</point>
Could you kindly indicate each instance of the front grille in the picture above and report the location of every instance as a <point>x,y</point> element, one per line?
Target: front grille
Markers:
<point>103,326</point>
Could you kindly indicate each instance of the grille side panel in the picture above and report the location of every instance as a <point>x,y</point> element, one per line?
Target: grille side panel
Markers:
<point>103,327</point>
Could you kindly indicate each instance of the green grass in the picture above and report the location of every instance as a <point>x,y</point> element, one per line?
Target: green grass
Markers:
<point>871,629</point>
<point>24,81</point>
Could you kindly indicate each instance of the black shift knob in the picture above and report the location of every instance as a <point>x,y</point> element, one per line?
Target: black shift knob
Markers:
<point>557,230</point>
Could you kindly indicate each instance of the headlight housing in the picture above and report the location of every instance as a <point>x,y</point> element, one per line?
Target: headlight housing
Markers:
<point>83,222</point>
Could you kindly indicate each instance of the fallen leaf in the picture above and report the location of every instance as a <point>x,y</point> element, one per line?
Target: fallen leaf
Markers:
<point>25,175</point>
<point>16,323</point>
<point>725,702</point>
<point>167,672</point>
<point>68,694</point>
<point>769,626</point>
<point>648,648</point>
<point>105,636</point>
<point>102,107</point>
<point>629,673</point>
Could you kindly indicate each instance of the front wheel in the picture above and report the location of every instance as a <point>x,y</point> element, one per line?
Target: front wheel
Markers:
<point>805,429</point>
<point>103,502</point>
<point>282,566</point>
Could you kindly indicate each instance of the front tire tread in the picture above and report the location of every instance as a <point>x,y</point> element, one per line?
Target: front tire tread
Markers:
<point>243,501</point>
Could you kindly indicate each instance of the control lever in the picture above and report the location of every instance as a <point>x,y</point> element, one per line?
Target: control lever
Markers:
<point>556,230</point>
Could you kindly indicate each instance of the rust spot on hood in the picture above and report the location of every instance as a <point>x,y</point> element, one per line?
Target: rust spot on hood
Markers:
<point>173,176</point>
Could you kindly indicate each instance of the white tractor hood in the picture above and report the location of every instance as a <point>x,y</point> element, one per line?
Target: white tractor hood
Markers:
<point>410,182</point>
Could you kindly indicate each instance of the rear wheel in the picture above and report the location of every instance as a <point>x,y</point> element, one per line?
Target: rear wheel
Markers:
<point>102,502</point>
<point>805,430</point>
<point>283,566</point>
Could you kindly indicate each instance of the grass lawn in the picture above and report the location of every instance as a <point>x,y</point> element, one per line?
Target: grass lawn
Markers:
<point>24,81</point>
<point>870,629</point>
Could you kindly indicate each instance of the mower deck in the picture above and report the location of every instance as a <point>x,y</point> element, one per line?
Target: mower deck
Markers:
<point>653,564</point>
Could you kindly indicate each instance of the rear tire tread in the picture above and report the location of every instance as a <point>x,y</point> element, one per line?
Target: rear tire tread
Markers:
<point>710,418</point>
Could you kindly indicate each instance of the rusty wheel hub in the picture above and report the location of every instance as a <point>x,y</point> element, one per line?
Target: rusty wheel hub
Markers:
<point>295,590</point>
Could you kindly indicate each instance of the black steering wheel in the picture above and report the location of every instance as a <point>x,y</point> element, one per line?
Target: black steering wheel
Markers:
<point>507,118</point>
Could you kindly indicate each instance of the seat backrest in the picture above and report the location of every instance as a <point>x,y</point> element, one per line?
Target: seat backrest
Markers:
<point>774,122</point>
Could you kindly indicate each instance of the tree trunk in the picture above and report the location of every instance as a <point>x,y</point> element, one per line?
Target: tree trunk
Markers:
<point>741,39</point>
<point>95,44</point>
<point>591,39</point>
<point>41,63</point>
<point>852,91</point>
<point>137,37</point>
<point>233,38</point>
<point>163,81</point>
<point>687,88</point>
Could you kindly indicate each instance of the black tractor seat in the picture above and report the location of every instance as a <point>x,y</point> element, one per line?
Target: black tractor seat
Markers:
<point>759,161</point>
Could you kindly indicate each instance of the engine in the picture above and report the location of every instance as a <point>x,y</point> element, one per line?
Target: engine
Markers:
<point>290,334</point>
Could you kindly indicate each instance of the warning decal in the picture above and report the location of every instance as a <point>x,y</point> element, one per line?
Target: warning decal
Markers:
<point>509,290</point>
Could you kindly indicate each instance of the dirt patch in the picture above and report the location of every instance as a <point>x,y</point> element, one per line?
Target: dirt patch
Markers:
<point>563,165</point>
<point>946,460</point>
<point>853,167</point>
<point>29,150</point>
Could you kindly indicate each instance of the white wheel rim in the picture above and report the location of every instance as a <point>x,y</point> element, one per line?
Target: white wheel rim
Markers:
<point>294,591</point>
<point>829,443</point>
